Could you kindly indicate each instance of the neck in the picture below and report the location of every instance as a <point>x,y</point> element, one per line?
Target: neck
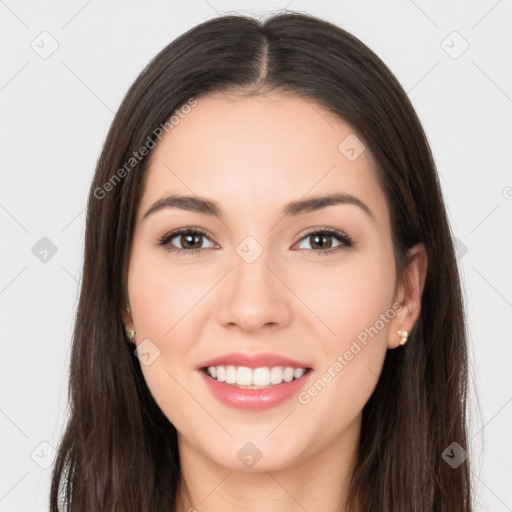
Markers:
<point>319,482</point>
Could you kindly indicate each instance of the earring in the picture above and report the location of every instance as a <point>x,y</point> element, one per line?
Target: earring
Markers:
<point>130,333</point>
<point>403,335</point>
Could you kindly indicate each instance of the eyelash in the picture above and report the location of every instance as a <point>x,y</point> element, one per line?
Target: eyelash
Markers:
<point>346,241</point>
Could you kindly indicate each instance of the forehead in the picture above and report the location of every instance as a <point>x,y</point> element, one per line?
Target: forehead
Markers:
<point>261,151</point>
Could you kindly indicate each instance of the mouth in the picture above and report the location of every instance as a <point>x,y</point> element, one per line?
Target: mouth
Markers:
<point>254,389</point>
<point>243,377</point>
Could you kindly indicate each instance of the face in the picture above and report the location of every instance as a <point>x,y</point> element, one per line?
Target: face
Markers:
<point>254,285</point>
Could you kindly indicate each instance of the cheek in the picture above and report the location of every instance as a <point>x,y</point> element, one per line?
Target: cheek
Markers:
<point>348,297</point>
<point>162,300</point>
<point>161,294</point>
<point>353,303</point>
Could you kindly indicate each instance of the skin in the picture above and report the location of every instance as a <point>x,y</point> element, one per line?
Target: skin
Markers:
<point>253,155</point>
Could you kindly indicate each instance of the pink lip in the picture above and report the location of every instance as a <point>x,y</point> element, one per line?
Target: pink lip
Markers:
<point>255,399</point>
<point>256,361</point>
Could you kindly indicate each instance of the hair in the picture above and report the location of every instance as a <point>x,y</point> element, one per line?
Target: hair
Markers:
<point>119,450</point>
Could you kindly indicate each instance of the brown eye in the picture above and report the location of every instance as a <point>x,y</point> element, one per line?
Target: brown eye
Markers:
<point>327,241</point>
<point>321,241</point>
<point>191,240</point>
<point>184,240</point>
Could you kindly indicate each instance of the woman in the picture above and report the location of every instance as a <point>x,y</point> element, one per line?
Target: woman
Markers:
<point>270,314</point>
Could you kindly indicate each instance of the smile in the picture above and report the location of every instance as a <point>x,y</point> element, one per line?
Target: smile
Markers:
<point>254,389</point>
<point>254,378</point>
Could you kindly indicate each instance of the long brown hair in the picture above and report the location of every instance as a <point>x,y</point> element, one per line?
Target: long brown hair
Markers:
<point>119,450</point>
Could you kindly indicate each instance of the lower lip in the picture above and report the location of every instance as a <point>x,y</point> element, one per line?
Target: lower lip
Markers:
<point>255,399</point>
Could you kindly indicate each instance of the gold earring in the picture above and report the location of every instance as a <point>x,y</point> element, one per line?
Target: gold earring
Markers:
<point>403,335</point>
<point>130,333</point>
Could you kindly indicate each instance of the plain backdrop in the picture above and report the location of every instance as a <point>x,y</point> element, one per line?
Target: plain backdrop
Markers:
<point>65,67</point>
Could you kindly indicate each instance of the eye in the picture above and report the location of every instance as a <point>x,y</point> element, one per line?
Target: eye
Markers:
<point>321,240</point>
<point>189,238</point>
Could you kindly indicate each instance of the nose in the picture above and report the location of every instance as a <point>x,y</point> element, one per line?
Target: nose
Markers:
<point>255,296</point>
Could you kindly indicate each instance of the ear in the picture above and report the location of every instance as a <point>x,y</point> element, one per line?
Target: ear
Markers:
<point>127,317</point>
<point>408,294</point>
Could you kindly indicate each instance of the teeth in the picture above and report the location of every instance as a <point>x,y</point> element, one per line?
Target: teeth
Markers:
<point>230,375</point>
<point>288,374</point>
<point>298,373</point>
<point>242,376</point>
<point>261,376</point>
<point>220,371</point>
<point>276,375</point>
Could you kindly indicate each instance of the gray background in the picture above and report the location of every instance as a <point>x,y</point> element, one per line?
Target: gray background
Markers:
<point>57,108</point>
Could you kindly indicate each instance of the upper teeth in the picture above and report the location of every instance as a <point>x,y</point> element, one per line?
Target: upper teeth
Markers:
<point>244,376</point>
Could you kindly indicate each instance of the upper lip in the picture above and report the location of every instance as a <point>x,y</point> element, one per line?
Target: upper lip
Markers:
<point>253,361</point>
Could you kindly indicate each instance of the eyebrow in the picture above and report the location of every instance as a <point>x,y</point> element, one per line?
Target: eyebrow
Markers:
<point>208,207</point>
